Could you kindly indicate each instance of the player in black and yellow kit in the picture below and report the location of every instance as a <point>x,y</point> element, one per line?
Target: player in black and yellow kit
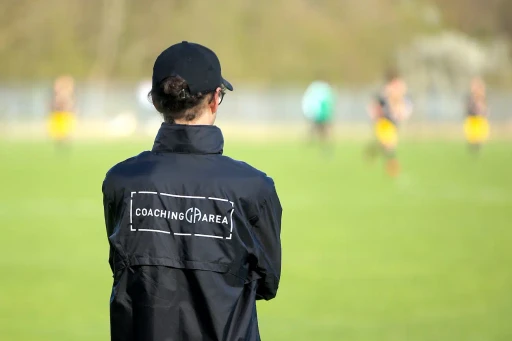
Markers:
<point>61,122</point>
<point>389,108</point>
<point>476,126</point>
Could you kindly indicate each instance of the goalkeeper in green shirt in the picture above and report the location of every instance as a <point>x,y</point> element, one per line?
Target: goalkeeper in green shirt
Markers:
<point>318,107</point>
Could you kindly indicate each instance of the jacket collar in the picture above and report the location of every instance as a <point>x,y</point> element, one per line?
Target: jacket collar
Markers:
<point>189,139</point>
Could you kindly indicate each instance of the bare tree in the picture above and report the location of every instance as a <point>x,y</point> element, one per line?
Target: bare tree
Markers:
<point>112,25</point>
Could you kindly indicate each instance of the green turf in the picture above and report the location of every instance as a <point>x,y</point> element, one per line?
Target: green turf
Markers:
<point>427,256</point>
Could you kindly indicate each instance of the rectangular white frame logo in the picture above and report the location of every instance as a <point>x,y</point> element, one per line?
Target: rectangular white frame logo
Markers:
<point>133,229</point>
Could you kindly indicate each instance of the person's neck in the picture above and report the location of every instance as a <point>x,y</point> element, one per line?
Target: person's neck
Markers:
<point>202,119</point>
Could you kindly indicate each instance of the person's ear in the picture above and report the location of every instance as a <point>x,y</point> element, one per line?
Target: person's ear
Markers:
<point>214,105</point>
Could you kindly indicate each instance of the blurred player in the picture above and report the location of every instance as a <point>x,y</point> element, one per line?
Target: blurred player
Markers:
<point>61,122</point>
<point>476,126</point>
<point>318,107</point>
<point>389,108</point>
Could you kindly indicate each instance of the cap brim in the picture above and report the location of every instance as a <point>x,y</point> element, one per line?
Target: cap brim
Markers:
<point>227,84</point>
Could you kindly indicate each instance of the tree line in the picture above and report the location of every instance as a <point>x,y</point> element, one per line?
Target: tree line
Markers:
<point>258,41</point>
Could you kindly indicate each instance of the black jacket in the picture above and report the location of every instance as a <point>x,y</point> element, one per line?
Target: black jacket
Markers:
<point>194,240</point>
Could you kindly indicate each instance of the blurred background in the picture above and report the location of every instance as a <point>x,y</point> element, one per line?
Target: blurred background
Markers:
<point>270,49</point>
<point>422,256</point>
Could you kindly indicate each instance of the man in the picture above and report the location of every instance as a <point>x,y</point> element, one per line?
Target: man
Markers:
<point>476,125</point>
<point>391,107</point>
<point>318,107</point>
<point>194,235</point>
<point>61,122</point>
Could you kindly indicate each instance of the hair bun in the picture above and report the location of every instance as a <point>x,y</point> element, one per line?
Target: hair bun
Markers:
<point>172,98</point>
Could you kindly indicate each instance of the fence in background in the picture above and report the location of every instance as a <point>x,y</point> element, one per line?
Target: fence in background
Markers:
<point>29,103</point>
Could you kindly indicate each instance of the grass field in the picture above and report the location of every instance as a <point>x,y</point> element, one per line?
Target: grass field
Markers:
<point>424,257</point>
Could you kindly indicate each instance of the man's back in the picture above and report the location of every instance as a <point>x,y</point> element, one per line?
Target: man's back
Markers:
<point>195,240</point>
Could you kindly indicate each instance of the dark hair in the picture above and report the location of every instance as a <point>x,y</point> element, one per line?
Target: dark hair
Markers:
<point>391,74</point>
<point>172,98</point>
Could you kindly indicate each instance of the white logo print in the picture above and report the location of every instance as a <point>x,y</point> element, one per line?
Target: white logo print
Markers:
<point>192,215</point>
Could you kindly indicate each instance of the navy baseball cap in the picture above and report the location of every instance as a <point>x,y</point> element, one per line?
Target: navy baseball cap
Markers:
<point>196,64</point>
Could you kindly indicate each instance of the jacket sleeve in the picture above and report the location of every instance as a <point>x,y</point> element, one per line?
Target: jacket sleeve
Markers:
<point>109,220</point>
<point>267,229</point>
